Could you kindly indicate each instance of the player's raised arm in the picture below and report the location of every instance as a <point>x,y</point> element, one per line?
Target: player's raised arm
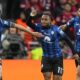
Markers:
<point>31,18</point>
<point>36,34</point>
<point>67,39</point>
<point>69,42</point>
<point>68,24</point>
<point>8,23</point>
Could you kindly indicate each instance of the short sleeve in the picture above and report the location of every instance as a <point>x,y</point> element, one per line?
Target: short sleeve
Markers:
<point>60,31</point>
<point>70,22</point>
<point>6,23</point>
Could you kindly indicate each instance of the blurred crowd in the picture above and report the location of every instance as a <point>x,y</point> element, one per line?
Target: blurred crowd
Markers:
<point>61,11</point>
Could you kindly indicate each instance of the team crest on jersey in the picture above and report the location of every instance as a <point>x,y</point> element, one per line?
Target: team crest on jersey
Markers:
<point>47,39</point>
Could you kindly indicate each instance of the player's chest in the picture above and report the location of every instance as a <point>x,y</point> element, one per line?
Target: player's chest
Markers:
<point>49,35</point>
<point>77,28</point>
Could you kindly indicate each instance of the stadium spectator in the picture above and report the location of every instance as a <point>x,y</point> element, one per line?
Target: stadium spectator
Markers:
<point>27,37</point>
<point>65,15</point>
<point>13,45</point>
<point>59,8</point>
<point>22,21</point>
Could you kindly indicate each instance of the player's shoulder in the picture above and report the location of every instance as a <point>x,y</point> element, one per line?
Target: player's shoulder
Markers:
<point>3,21</point>
<point>54,27</point>
<point>38,24</point>
<point>75,18</point>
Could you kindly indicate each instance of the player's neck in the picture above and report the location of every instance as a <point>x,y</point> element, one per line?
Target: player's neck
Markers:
<point>46,27</point>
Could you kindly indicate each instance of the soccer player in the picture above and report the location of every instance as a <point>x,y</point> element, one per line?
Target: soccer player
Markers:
<point>52,59</point>
<point>75,22</point>
<point>7,24</point>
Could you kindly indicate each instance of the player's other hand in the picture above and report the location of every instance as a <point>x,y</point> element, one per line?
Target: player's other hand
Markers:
<point>37,34</point>
<point>33,11</point>
<point>75,56</point>
<point>63,27</point>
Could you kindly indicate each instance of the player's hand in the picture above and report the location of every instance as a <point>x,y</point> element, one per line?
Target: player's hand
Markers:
<point>37,34</point>
<point>76,56</point>
<point>33,12</point>
<point>63,27</point>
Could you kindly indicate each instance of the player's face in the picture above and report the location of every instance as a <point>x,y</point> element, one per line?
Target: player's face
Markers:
<point>78,12</point>
<point>45,20</point>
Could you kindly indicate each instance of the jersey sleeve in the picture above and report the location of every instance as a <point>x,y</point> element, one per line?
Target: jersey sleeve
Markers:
<point>60,32</point>
<point>70,23</point>
<point>66,39</point>
<point>37,27</point>
<point>6,23</point>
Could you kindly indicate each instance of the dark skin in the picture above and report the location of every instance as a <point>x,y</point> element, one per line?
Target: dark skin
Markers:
<point>46,22</point>
<point>36,34</point>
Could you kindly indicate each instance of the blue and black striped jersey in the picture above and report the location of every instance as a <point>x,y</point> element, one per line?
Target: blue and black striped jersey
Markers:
<point>50,41</point>
<point>3,24</point>
<point>75,22</point>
